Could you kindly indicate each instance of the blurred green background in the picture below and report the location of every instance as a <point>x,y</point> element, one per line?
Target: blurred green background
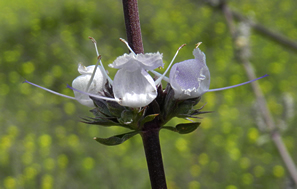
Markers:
<point>43,144</point>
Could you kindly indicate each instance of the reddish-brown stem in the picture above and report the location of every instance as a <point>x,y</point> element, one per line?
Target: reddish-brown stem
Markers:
<point>132,22</point>
<point>154,160</point>
<point>150,131</point>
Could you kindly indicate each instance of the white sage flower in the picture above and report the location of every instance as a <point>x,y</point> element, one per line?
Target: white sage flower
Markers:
<point>91,81</point>
<point>132,85</point>
<point>190,78</point>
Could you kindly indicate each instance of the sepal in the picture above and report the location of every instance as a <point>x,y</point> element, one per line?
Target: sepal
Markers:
<point>148,118</point>
<point>178,108</point>
<point>101,107</point>
<point>184,108</point>
<point>115,109</point>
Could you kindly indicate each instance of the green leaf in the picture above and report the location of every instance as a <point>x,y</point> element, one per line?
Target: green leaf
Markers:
<point>170,128</point>
<point>186,128</point>
<point>183,128</point>
<point>117,139</point>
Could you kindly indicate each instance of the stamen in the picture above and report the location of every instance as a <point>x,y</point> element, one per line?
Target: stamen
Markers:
<point>54,92</point>
<point>159,75</point>
<point>124,41</point>
<point>99,58</point>
<point>160,78</point>
<point>95,43</point>
<point>220,89</point>
<point>93,95</point>
<point>93,74</point>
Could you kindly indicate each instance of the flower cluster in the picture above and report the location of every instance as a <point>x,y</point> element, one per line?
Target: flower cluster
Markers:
<point>134,99</point>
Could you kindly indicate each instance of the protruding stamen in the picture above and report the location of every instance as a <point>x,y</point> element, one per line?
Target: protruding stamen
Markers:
<point>99,58</point>
<point>51,91</point>
<point>95,43</point>
<point>93,74</point>
<point>93,95</point>
<point>160,78</point>
<point>220,89</point>
<point>124,41</point>
<point>197,45</point>
<point>159,75</point>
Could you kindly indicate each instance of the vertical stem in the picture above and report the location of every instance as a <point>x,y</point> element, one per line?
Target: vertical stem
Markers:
<point>133,25</point>
<point>150,131</point>
<point>153,155</point>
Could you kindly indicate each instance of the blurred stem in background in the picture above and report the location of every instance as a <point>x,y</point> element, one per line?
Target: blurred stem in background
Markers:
<point>277,37</point>
<point>259,28</point>
<point>150,133</point>
<point>241,37</point>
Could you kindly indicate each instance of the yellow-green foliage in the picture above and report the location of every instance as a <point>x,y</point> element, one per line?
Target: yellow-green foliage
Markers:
<point>44,146</point>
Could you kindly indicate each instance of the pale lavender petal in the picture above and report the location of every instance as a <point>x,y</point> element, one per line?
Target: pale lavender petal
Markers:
<point>199,55</point>
<point>189,79</point>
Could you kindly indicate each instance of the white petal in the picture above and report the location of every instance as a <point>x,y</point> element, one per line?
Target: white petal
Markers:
<point>82,81</point>
<point>127,61</point>
<point>150,61</point>
<point>134,89</point>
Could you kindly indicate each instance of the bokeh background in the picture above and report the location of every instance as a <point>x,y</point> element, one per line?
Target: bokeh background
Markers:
<point>43,144</point>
